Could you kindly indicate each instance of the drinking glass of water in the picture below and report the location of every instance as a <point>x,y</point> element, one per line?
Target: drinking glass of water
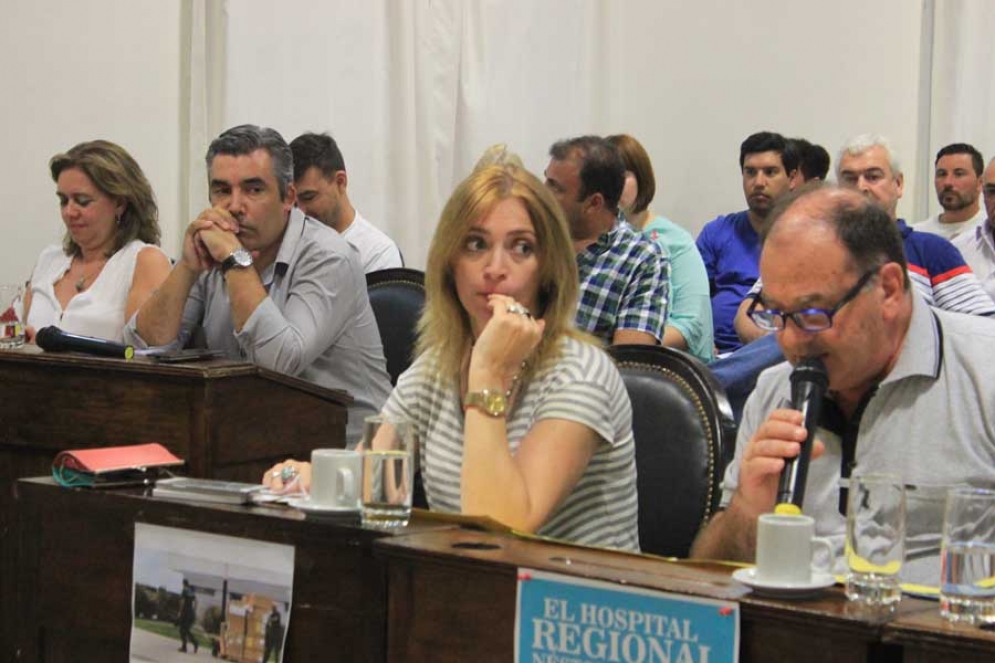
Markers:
<point>875,539</point>
<point>967,578</point>
<point>11,312</point>
<point>389,449</point>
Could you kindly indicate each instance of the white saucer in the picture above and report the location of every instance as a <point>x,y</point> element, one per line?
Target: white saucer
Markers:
<point>786,590</point>
<point>305,504</point>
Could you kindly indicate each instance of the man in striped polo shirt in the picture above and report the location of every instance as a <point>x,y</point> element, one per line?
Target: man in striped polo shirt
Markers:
<point>937,269</point>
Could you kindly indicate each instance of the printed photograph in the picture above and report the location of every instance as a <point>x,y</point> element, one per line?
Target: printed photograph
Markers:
<point>206,596</point>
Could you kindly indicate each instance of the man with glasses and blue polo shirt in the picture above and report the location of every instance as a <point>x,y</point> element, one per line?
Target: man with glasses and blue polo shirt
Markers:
<point>910,387</point>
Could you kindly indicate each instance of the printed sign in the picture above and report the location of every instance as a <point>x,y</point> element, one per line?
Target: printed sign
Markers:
<point>562,619</point>
<point>209,595</point>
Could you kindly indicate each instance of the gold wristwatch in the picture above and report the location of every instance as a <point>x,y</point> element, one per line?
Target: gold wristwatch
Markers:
<point>491,402</point>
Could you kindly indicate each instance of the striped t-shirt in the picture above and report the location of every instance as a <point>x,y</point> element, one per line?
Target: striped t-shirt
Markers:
<point>581,385</point>
<point>939,272</point>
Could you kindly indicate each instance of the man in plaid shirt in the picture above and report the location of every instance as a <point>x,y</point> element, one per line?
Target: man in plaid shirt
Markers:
<point>624,278</point>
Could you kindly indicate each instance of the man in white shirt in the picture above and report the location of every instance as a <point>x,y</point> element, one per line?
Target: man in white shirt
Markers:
<point>958,188</point>
<point>322,183</point>
<point>978,244</point>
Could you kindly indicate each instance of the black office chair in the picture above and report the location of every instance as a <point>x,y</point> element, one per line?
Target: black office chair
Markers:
<point>397,297</point>
<point>680,420</point>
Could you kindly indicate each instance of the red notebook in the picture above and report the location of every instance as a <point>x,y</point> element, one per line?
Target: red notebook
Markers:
<point>115,459</point>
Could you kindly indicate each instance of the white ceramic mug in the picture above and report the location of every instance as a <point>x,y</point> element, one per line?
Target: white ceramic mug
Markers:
<point>335,478</point>
<point>786,547</point>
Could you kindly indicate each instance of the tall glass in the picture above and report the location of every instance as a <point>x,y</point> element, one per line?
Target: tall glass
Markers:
<point>11,316</point>
<point>875,539</point>
<point>389,449</point>
<point>967,577</point>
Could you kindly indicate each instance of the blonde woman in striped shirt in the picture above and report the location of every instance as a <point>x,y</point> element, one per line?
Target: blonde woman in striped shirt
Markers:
<point>521,417</point>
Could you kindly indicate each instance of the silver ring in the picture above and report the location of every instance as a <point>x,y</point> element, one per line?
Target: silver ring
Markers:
<point>287,473</point>
<point>518,309</point>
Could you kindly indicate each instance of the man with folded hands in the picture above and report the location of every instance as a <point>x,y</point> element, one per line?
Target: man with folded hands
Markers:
<point>267,283</point>
<point>910,386</point>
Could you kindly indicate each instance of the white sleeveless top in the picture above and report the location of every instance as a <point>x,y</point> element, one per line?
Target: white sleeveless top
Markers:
<point>99,310</point>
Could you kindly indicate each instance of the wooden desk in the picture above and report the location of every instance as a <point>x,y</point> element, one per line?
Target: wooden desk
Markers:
<point>928,638</point>
<point>74,584</point>
<point>430,593</point>
<point>227,419</point>
<point>452,594</point>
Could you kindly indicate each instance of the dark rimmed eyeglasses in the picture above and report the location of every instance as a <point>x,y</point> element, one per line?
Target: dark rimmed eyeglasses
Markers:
<point>809,319</point>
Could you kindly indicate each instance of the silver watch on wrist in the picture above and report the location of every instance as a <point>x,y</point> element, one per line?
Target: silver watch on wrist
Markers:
<point>240,258</point>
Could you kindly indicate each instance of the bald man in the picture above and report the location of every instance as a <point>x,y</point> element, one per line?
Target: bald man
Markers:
<point>909,385</point>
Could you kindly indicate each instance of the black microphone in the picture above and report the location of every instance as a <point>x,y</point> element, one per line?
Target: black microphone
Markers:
<point>809,381</point>
<point>53,339</point>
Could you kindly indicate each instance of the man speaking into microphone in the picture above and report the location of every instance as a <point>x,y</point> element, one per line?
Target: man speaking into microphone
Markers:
<point>911,389</point>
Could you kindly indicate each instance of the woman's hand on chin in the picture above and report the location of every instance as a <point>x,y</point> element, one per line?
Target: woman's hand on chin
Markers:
<point>508,339</point>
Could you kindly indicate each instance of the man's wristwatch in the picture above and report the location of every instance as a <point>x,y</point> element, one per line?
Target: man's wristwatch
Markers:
<point>491,402</point>
<point>239,258</point>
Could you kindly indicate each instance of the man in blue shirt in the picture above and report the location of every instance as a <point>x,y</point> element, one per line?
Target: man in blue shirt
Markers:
<point>624,277</point>
<point>730,244</point>
<point>937,271</point>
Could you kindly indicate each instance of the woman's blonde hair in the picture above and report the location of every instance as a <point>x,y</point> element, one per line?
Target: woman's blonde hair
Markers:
<point>117,175</point>
<point>444,329</point>
<point>498,155</point>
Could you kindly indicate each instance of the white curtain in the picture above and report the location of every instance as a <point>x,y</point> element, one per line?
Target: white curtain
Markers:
<point>202,91</point>
<point>415,90</point>
<point>962,94</point>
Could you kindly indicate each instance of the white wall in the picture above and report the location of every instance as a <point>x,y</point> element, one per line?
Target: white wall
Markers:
<point>963,83</point>
<point>414,91</point>
<point>75,71</point>
<point>698,77</point>
<point>434,83</point>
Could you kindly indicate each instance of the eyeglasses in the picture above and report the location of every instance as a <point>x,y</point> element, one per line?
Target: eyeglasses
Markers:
<point>809,319</point>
